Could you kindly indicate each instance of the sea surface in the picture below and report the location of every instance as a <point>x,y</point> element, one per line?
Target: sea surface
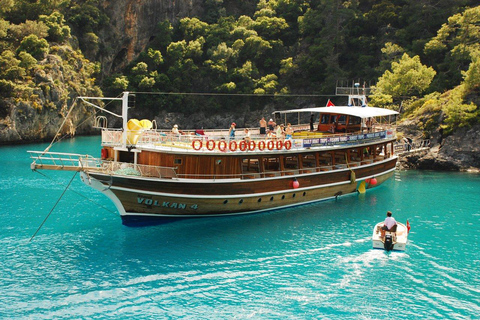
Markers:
<point>310,262</point>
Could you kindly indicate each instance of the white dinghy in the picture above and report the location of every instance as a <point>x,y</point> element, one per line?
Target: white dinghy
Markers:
<point>393,240</point>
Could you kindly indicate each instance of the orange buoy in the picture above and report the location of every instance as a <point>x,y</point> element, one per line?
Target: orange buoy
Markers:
<point>242,145</point>
<point>210,145</point>
<point>288,144</point>
<point>222,145</point>
<point>279,144</point>
<point>270,145</point>
<point>261,145</point>
<point>194,143</point>
<point>232,145</point>
<point>373,181</point>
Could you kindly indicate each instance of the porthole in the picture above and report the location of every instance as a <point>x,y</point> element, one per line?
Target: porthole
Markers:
<point>294,195</point>
<point>283,197</point>
<point>259,200</point>
<point>225,202</point>
<point>304,194</point>
<point>271,198</point>
<point>241,201</point>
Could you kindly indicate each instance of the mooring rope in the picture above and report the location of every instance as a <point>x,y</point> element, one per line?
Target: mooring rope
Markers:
<point>82,195</point>
<point>48,215</point>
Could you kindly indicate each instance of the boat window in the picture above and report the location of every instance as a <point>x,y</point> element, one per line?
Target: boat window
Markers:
<point>342,119</point>
<point>309,161</point>
<point>325,119</point>
<point>218,161</point>
<point>271,164</point>
<point>177,161</point>
<point>354,120</point>
<point>291,162</point>
<point>333,119</point>
<point>250,166</point>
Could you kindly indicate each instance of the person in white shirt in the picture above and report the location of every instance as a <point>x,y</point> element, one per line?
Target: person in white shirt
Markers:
<point>389,224</point>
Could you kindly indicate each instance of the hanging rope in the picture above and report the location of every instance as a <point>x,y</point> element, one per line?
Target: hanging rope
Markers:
<point>353,178</point>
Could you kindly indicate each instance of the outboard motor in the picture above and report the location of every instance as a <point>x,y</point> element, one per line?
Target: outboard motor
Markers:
<point>388,243</point>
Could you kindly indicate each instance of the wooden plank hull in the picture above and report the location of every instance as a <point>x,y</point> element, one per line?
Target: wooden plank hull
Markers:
<point>141,198</point>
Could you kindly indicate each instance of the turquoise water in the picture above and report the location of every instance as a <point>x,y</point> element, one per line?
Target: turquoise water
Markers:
<point>309,262</point>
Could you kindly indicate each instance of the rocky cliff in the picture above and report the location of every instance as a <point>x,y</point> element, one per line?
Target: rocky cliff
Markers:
<point>132,25</point>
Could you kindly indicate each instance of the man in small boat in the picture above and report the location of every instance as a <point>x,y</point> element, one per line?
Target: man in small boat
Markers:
<point>389,224</point>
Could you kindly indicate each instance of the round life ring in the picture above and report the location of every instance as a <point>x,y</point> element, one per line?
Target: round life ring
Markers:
<point>270,145</point>
<point>261,145</point>
<point>194,144</point>
<point>279,144</point>
<point>222,145</point>
<point>251,145</point>
<point>242,145</point>
<point>288,145</point>
<point>210,146</point>
<point>104,154</point>
<point>232,145</point>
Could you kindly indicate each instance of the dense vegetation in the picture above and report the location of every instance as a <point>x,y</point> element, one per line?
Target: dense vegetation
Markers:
<point>423,55</point>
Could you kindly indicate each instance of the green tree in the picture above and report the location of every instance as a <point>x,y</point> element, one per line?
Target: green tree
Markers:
<point>452,49</point>
<point>31,44</point>
<point>57,30</point>
<point>408,77</point>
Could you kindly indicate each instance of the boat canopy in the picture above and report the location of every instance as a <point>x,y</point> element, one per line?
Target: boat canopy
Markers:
<point>361,112</point>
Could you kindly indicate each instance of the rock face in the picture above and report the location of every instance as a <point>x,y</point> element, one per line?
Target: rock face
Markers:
<point>458,152</point>
<point>132,25</point>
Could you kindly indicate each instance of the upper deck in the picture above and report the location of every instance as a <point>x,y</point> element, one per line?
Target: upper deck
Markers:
<point>211,141</point>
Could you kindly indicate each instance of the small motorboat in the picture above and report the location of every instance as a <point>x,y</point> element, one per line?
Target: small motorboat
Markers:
<point>393,240</point>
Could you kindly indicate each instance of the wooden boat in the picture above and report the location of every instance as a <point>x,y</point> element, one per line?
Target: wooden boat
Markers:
<point>155,174</point>
<point>393,240</point>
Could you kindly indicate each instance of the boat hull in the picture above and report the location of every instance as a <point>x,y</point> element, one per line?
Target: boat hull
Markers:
<point>400,237</point>
<point>140,199</point>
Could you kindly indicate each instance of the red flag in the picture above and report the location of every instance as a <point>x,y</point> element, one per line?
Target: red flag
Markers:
<point>330,103</point>
<point>408,227</point>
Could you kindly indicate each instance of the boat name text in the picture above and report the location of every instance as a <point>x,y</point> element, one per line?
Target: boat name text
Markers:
<point>165,204</point>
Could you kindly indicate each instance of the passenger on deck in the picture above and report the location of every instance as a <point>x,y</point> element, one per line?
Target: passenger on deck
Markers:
<point>288,131</point>
<point>247,135</point>
<point>271,125</point>
<point>279,132</point>
<point>389,224</point>
<point>175,130</point>
<point>231,132</point>
<point>263,126</point>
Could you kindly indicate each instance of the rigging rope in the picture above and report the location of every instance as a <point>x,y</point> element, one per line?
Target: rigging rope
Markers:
<point>233,94</point>
<point>48,215</point>
<point>81,195</point>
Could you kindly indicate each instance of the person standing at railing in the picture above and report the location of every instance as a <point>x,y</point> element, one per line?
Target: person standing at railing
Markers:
<point>247,135</point>
<point>280,132</point>
<point>271,125</point>
<point>263,126</point>
<point>231,132</point>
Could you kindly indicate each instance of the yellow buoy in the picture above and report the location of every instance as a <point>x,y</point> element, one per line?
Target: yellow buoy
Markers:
<point>134,124</point>
<point>146,124</point>
<point>361,188</point>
